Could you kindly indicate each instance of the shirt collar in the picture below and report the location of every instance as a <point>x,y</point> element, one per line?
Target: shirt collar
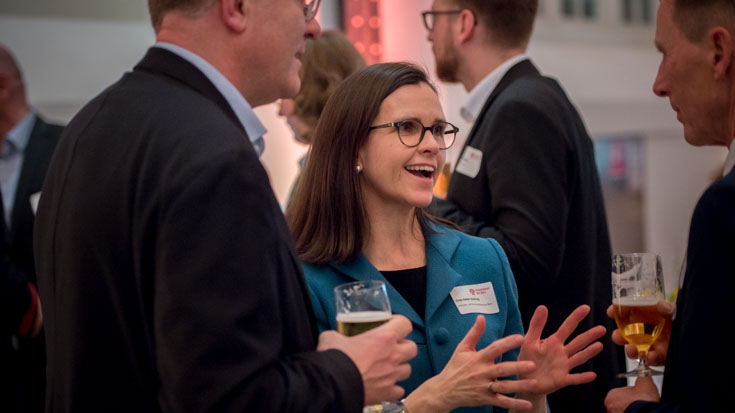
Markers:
<point>244,112</point>
<point>730,161</point>
<point>482,91</point>
<point>21,132</point>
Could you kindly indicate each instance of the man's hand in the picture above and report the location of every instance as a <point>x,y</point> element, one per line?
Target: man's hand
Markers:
<point>619,399</point>
<point>657,353</point>
<point>553,358</point>
<point>381,355</point>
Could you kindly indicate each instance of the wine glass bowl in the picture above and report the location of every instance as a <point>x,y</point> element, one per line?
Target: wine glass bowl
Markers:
<point>638,284</point>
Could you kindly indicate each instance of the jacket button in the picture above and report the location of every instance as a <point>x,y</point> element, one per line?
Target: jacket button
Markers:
<point>441,336</point>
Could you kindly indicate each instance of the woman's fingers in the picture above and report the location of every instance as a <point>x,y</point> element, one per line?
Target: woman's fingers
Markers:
<point>501,346</point>
<point>585,339</point>
<point>514,386</point>
<point>583,356</point>
<point>511,368</point>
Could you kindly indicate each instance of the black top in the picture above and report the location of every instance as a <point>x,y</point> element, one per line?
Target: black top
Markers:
<point>411,284</point>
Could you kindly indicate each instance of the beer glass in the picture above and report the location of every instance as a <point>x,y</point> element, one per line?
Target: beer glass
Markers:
<point>638,284</point>
<point>361,306</point>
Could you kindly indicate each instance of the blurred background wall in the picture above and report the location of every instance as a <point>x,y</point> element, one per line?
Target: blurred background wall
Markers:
<point>601,51</point>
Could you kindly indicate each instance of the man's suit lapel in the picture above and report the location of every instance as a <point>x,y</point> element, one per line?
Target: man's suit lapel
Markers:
<point>161,62</point>
<point>441,278</point>
<point>36,158</point>
<point>360,269</point>
<point>521,69</point>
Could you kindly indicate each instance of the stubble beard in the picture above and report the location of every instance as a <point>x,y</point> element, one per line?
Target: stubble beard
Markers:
<point>447,66</point>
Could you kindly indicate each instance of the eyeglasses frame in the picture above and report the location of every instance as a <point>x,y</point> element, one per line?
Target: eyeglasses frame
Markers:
<point>396,125</point>
<point>424,14</point>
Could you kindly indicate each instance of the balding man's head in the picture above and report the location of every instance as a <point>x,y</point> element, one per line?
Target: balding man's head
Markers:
<point>8,65</point>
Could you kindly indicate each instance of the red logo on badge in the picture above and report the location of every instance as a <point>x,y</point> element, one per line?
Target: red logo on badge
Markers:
<point>472,291</point>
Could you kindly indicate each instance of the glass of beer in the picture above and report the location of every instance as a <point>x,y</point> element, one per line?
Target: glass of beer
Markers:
<point>638,284</point>
<point>361,306</point>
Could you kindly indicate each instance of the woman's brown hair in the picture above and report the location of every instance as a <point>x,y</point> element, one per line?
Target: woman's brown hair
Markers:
<point>326,214</point>
<point>327,61</point>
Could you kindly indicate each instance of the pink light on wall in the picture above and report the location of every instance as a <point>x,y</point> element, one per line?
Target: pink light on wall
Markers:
<point>363,26</point>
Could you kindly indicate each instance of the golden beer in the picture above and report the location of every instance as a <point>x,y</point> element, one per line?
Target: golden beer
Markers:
<point>639,322</point>
<point>352,324</point>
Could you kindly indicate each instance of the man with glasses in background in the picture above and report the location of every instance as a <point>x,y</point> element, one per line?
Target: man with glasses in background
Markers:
<point>164,263</point>
<point>526,175</point>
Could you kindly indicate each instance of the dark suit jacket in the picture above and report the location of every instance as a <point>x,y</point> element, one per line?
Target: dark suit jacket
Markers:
<point>166,265</point>
<point>538,194</point>
<point>28,362</point>
<point>41,144</point>
<point>700,359</point>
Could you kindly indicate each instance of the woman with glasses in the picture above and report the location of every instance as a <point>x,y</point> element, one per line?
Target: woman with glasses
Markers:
<point>358,214</point>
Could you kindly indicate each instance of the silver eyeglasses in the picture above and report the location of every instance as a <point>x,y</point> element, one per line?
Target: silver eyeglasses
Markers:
<point>411,132</point>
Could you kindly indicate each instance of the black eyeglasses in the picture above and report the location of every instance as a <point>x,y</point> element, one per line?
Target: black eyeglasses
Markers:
<point>310,9</point>
<point>430,15</point>
<point>411,132</point>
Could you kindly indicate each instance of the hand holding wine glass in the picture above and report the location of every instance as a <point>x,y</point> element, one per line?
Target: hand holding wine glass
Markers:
<point>657,352</point>
<point>638,286</point>
<point>362,307</point>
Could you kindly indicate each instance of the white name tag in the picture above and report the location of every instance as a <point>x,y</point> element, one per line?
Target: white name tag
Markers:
<point>477,298</point>
<point>469,163</point>
<point>34,198</point>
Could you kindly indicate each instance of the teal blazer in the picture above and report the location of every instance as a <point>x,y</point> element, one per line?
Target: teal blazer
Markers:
<point>453,259</point>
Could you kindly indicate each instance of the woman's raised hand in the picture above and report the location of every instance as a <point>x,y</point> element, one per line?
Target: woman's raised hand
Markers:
<point>553,358</point>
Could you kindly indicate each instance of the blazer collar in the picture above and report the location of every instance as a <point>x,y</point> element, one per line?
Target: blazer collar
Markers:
<point>161,62</point>
<point>441,278</point>
<point>522,69</point>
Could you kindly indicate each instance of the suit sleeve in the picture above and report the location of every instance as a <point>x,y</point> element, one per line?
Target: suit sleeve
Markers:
<point>525,159</point>
<point>220,311</point>
<point>701,366</point>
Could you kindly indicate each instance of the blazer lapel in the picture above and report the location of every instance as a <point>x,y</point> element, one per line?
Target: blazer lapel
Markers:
<point>164,63</point>
<point>35,161</point>
<point>360,269</point>
<point>441,277</point>
<point>521,69</point>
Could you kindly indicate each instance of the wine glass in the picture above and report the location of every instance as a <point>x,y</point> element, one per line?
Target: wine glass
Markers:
<point>638,284</point>
<point>361,306</point>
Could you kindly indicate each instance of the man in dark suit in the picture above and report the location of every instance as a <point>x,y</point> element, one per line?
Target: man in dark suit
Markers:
<point>20,318</point>
<point>27,145</point>
<point>697,41</point>
<point>164,263</point>
<point>526,175</point>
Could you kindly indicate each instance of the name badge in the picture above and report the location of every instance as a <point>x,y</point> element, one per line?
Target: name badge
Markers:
<point>469,163</point>
<point>477,298</point>
<point>34,198</point>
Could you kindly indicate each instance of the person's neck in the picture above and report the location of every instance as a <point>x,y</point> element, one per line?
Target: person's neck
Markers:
<point>394,240</point>
<point>484,60</point>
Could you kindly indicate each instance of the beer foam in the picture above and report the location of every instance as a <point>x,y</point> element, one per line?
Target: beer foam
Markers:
<point>363,317</point>
<point>639,301</point>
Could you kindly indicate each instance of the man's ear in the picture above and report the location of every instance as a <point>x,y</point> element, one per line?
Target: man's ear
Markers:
<point>720,56</point>
<point>467,23</point>
<point>235,13</point>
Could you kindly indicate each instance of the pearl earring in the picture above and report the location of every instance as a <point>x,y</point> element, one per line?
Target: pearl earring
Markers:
<point>358,168</point>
